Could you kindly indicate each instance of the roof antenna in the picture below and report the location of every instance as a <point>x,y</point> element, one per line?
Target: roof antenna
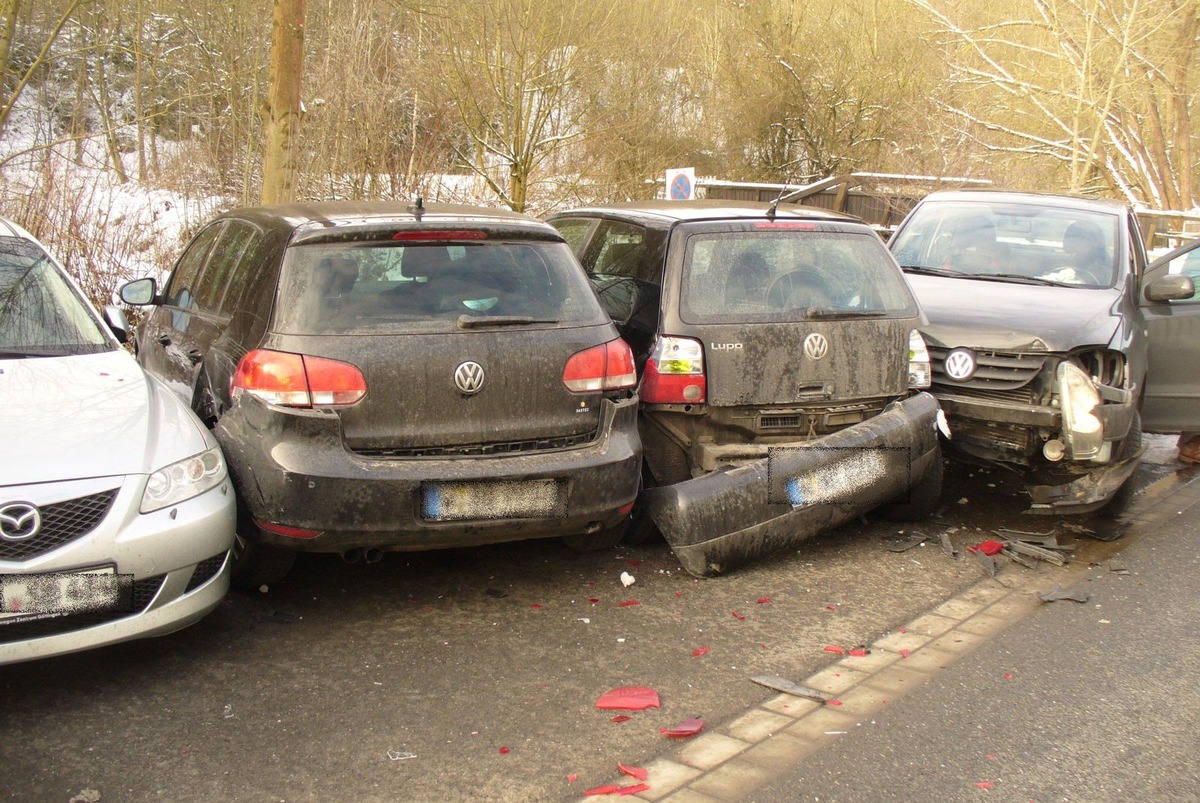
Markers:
<point>783,195</point>
<point>418,207</point>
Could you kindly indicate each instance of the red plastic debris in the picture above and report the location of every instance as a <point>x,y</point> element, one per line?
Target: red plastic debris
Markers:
<point>634,789</point>
<point>904,653</point>
<point>572,778</point>
<point>607,789</point>
<point>834,701</point>
<point>593,600</point>
<point>988,547</point>
<point>628,698</point>
<point>764,600</point>
<point>901,629</point>
<point>679,593</point>
<point>699,651</point>
<point>629,603</point>
<point>621,718</point>
<point>831,607</point>
<point>633,772</point>
<point>536,605</point>
<point>1008,675</point>
<point>504,751</point>
<point>835,649</point>
<point>985,784</point>
<point>860,652</point>
<point>740,617</point>
<point>689,727</point>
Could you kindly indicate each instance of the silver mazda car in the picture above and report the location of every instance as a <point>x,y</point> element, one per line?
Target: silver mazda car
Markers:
<point>116,511</point>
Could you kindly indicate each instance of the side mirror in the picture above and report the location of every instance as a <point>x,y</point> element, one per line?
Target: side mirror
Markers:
<point>1174,287</point>
<point>139,292</point>
<point>117,322</point>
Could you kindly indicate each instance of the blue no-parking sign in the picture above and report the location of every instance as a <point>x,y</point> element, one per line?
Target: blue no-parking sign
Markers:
<point>681,184</point>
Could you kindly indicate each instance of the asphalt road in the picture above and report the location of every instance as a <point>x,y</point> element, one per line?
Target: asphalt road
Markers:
<point>466,674</point>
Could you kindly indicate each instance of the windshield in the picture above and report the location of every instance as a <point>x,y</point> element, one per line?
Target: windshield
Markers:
<point>40,313</point>
<point>1010,241</point>
<point>385,288</point>
<point>790,275</point>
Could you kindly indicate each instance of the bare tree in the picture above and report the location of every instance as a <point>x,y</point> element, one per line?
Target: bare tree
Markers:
<point>281,114</point>
<point>1102,89</point>
<point>17,78</point>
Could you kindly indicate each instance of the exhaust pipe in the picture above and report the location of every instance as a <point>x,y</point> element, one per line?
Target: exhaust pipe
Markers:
<point>372,555</point>
<point>352,555</point>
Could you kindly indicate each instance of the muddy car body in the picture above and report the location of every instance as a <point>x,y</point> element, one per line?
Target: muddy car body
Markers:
<point>778,354</point>
<point>393,377</point>
<point>1038,338</point>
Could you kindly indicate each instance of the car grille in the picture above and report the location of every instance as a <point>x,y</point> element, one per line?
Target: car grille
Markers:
<point>997,370</point>
<point>205,570</point>
<point>486,449</point>
<point>143,593</point>
<point>61,522</point>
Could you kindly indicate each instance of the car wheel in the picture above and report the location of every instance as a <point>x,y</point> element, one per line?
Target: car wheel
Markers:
<point>1115,506</point>
<point>256,564</point>
<point>594,542</point>
<point>924,497</point>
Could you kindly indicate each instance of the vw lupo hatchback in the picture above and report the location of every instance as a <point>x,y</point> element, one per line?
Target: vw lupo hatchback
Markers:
<point>391,377</point>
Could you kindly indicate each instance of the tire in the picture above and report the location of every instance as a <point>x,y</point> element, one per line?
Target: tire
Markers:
<point>607,538</point>
<point>256,564</point>
<point>923,498</point>
<point>1116,505</point>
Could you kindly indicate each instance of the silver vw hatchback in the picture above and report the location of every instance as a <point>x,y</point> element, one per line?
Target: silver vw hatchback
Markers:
<point>116,511</point>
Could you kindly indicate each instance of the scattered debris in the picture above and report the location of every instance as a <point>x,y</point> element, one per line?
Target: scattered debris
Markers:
<point>495,592</point>
<point>859,652</point>
<point>627,579</point>
<point>788,687</point>
<point>947,544</point>
<point>835,649</point>
<point>1058,592</point>
<point>629,603</point>
<point>1116,567</point>
<point>396,755</point>
<point>741,617</point>
<point>229,711</point>
<point>989,547</point>
<point>87,796</point>
<point>989,562</point>
<point>633,772</point>
<point>905,544</point>
<point>689,727</point>
<point>700,652</point>
<point>628,698</point>
<point>619,718</point>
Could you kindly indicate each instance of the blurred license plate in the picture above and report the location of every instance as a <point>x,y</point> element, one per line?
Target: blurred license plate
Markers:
<point>40,596</point>
<point>457,501</point>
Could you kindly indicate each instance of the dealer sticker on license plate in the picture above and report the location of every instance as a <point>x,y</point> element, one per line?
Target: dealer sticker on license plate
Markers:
<point>459,501</point>
<point>41,596</point>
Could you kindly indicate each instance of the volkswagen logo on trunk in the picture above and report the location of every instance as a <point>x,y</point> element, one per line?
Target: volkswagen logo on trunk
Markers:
<point>19,521</point>
<point>960,364</point>
<point>469,377</point>
<point>816,346</point>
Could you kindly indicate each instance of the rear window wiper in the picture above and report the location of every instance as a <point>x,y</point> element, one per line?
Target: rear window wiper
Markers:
<point>924,271</point>
<point>833,312</point>
<point>478,321</point>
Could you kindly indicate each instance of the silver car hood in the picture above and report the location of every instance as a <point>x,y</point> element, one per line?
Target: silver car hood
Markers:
<point>1014,317</point>
<point>92,415</point>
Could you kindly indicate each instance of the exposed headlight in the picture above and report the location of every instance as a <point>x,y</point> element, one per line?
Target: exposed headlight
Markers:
<point>1078,396</point>
<point>920,375</point>
<point>183,480</point>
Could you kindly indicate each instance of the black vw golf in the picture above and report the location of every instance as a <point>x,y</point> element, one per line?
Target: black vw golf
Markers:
<point>390,377</point>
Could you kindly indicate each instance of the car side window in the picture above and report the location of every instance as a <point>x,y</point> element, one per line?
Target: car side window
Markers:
<point>181,290</point>
<point>619,249</point>
<point>574,231</point>
<point>224,260</point>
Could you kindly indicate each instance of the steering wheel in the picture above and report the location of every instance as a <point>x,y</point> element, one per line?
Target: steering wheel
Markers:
<point>801,285</point>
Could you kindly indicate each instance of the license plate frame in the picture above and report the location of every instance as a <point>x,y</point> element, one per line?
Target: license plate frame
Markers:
<point>476,500</point>
<point>24,597</point>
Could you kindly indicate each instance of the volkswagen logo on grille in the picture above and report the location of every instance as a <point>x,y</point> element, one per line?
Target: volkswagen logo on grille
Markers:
<point>960,364</point>
<point>19,521</point>
<point>469,377</point>
<point>816,346</point>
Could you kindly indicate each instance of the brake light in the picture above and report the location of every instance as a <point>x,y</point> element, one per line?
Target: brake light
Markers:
<point>675,373</point>
<point>608,366</point>
<point>297,380</point>
<point>785,225</point>
<point>436,235</point>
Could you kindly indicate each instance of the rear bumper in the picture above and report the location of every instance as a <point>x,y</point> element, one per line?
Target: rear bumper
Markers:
<point>727,518</point>
<point>291,470</point>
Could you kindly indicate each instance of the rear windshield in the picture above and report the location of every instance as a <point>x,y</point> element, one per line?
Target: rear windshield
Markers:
<point>381,287</point>
<point>790,275</point>
<point>1011,240</point>
<point>40,313</point>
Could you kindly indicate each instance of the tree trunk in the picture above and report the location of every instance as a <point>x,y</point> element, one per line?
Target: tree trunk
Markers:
<point>281,117</point>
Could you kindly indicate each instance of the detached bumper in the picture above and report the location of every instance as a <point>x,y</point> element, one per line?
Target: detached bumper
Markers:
<point>727,518</point>
<point>1087,493</point>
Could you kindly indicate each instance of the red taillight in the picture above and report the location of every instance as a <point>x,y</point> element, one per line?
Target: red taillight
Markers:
<point>297,380</point>
<point>605,367</point>
<point>283,529</point>
<point>675,373</point>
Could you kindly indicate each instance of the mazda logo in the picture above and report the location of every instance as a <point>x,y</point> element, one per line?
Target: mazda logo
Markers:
<point>19,521</point>
<point>816,346</point>
<point>960,364</point>
<point>469,377</point>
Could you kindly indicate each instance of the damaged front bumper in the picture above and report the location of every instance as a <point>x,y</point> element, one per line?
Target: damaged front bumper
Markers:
<point>1087,493</point>
<point>727,518</point>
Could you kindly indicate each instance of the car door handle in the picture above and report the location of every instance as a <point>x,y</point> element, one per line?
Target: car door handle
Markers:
<point>163,340</point>
<point>195,356</point>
